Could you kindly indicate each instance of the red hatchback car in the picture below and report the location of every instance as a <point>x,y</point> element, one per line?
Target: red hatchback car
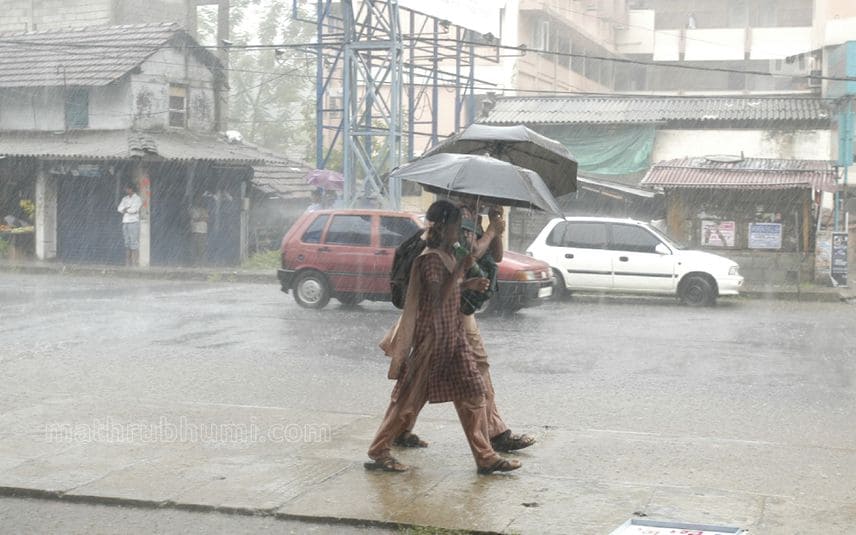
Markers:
<point>347,254</point>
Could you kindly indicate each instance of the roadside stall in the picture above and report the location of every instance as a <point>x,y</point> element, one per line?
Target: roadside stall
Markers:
<point>760,212</point>
<point>17,213</point>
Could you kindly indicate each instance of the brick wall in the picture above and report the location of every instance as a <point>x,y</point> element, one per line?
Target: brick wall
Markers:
<point>23,15</point>
<point>19,16</point>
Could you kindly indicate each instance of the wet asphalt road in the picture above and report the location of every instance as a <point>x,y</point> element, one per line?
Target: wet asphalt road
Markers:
<point>766,371</point>
<point>755,370</point>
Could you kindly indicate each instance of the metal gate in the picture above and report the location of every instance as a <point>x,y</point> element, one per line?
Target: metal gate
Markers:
<point>89,229</point>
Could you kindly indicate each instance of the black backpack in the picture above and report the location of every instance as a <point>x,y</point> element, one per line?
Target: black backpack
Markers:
<point>399,276</point>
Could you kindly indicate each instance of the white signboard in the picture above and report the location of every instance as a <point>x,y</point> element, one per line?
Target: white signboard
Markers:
<point>478,15</point>
<point>651,527</point>
<point>717,233</point>
<point>765,235</point>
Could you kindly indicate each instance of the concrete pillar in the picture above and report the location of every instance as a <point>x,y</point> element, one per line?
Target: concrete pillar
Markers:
<point>144,186</point>
<point>245,222</point>
<point>46,218</point>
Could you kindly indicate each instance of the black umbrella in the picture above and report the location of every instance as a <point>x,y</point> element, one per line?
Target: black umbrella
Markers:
<point>486,178</point>
<point>520,146</point>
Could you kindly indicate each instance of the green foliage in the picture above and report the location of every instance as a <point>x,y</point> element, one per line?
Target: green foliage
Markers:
<point>263,260</point>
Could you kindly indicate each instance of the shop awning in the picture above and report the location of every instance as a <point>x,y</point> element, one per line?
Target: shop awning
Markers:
<point>742,173</point>
<point>126,144</point>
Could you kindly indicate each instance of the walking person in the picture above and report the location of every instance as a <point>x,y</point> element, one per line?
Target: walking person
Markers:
<point>431,358</point>
<point>129,207</point>
<point>479,243</point>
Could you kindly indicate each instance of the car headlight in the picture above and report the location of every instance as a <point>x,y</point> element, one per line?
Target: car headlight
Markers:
<point>733,270</point>
<point>525,276</point>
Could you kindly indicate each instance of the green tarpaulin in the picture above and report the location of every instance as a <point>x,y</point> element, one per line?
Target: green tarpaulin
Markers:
<point>606,150</point>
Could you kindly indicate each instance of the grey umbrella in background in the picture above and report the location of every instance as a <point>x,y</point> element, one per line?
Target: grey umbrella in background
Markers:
<point>488,179</point>
<point>521,146</point>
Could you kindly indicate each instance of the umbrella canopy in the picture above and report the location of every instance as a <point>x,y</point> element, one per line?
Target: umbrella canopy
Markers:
<point>521,146</point>
<point>325,179</point>
<point>489,179</point>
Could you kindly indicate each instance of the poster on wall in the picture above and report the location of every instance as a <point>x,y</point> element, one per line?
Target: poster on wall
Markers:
<point>717,233</point>
<point>765,235</point>
<point>838,267</point>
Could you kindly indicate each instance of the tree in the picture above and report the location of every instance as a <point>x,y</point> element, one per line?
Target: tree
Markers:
<point>269,86</point>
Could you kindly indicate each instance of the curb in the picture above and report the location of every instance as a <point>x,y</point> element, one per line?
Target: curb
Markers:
<point>144,273</point>
<point>59,496</point>
<point>828,295</point>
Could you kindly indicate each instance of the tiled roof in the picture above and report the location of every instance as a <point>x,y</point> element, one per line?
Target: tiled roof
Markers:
<point>748,173</point>
<point>92,56</point>
<point>282,178</point>
<point>122,144</point>
<point>617,109</point>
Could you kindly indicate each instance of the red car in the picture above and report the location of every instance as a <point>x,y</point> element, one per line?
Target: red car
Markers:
<point>347,254</point>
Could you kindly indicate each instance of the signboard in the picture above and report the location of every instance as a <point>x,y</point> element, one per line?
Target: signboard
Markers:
<point>481,16</point>
<point>838,265</point>
<point>717,233</point>
<point>638,526</point>
<point>765,235</point>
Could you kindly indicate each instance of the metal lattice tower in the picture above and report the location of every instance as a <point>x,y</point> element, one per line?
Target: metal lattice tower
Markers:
<point>371,77</point>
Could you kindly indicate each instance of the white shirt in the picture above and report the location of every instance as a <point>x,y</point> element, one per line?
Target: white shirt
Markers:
<point>129,207</point>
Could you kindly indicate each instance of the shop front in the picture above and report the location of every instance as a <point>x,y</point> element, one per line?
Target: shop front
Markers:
<point>762,213</point>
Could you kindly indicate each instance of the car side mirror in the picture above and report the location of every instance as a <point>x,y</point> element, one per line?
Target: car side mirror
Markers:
<point>661,248</point>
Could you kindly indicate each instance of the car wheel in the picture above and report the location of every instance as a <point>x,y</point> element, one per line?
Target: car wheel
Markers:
<point>349,299</point>
<point>697,291</point>
<point>560,291</point>
<point>311,290</point>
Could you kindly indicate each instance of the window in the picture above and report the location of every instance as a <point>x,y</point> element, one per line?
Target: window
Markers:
<point>177,105</point>
<point>350,230</point>
<point>313,233</point>
<point>579,235</point>
<point>632,238</point>
<point>394,230</point>
<point>77,108</point>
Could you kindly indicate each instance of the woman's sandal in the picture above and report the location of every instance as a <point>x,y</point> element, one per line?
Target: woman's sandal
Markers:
<point>387,464</point>
<point>409,440</point>
<point>502,465</point>
<point>508,441</point>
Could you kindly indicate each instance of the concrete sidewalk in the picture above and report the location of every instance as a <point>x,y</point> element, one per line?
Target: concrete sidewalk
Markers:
<point>297,464</point>
<point>809,293</point>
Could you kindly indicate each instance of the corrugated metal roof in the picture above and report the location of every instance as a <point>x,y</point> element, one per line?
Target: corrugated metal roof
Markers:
<point>748,173</point>
<point>121,144</point>
<point>91,56</point>
<point>619,109</point>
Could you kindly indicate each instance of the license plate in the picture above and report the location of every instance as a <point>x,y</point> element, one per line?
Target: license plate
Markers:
<point>546,291</point>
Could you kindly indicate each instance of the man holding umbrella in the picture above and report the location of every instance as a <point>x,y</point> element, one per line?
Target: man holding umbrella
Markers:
<point>479,243</point>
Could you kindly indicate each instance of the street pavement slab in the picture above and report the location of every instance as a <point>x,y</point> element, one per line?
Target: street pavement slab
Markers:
<point>573,481</point>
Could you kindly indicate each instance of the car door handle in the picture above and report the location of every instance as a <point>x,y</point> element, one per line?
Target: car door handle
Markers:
<point>323,249</point>
<point>381,252</point>
<point>622,259</point>
<point>569,255</point>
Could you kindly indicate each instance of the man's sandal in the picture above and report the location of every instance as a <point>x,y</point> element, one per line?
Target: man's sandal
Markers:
<point>507,441</point>
<point>502,465</point>
<point>387,464</point>
<point>409,440</point>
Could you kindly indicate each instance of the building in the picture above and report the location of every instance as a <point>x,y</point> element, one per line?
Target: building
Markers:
<point>84,110</point>
<point>760,212</point>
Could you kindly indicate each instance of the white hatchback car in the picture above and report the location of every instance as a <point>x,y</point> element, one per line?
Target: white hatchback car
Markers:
<point>625,256</point>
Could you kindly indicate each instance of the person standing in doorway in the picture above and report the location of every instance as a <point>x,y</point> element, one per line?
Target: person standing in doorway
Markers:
<point>129,207</point>
<point>199,230</point>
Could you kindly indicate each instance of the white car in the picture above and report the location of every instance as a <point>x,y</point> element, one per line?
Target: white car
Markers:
<point>601,254</point>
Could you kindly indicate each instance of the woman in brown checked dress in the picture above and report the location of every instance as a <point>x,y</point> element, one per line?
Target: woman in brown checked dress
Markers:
<point>438,364</point>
